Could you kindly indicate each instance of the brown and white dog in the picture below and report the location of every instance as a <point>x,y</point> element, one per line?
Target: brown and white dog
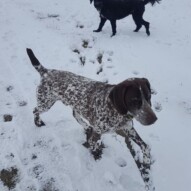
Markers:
<point>99,108</point>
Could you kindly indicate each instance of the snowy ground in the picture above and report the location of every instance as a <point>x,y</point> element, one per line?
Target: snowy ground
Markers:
<point>52,158</point>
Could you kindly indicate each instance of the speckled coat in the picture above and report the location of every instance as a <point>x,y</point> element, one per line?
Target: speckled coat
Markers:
<point>88,98</point>
<point>92,108</point>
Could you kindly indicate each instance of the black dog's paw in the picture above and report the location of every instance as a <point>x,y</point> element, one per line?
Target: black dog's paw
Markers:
<point>148,32</point>
<point>136,30</point>
<point>98,30</point>
<point>113,34</point>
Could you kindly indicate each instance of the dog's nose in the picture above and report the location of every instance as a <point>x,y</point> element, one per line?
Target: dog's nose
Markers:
<point>150,119</point>
<point>146,115</point>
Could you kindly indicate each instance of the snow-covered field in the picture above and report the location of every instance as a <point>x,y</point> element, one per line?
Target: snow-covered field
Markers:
<point>52,158</point>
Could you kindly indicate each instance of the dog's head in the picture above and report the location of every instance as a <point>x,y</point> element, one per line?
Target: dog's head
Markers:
<point>98,4</point>
<point>133,96</point>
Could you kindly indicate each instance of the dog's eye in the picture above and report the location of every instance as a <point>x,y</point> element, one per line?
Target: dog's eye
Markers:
<point>136,102</point>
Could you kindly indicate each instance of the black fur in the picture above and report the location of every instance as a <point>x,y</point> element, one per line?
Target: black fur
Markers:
<point>113,10</point>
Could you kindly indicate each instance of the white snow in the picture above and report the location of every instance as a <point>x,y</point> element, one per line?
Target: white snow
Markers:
<point>52,157</point>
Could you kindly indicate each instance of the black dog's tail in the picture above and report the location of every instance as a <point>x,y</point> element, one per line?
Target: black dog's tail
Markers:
<point>36,63</point>
<point>152,2</point>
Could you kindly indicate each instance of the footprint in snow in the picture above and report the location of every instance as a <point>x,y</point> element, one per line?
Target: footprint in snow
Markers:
<point>9,88</point>
<point>153,91</point>
<point>135,72</point>
<point>49,185</point>
<point>121,162</point>
<point>108,176</point>
<point>186,106</point>
<point>157,106</point>
<point>37,171</point>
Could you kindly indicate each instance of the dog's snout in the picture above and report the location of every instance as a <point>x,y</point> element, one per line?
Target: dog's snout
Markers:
<point>151,119</point>
<point>146,115</point>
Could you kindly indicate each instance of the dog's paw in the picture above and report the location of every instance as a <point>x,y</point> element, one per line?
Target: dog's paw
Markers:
<point>86,145</point>
<point>97,154</point>
<point>97,30</point>
<point>39,123</point>
<point>113,34</point>
<point>97,151</point>
<point>148,32</point>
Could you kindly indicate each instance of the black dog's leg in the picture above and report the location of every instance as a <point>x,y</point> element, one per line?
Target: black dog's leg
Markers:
<point>137,22</point>
<point>113,26</point>
<point>101,24</point>
<point>92,138</point>
<point>138,19</point>
<point>146,24</point>
<point>144,167</point>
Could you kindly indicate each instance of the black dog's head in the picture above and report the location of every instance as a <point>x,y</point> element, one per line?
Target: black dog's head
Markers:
<point>133,96</point>
<point>98,4</point>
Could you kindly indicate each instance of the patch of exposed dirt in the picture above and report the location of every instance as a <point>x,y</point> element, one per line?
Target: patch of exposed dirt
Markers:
<point>9,177</point>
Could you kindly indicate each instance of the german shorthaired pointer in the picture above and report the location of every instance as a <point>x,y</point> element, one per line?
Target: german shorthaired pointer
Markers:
<point>99,108</point>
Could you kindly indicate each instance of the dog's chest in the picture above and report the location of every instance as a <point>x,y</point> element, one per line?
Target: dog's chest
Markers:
<point>99,111</point>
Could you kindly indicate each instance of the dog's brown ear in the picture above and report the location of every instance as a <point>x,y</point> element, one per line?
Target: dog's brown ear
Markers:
<point>146,88</point>
<point>117,97</point>
<point>147,83</point>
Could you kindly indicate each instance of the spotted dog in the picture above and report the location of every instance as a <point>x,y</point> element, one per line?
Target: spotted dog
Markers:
<point>99,108</point>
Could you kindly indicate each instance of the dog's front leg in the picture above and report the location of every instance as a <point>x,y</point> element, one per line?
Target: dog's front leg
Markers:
<point>144,167</point>
<point>79,119</point>
<point>144,147</point>
<point>113,26</point>
<point>92,138</point>
<point>101,24</point>
<point>95,144</point>
<point>88,129</point>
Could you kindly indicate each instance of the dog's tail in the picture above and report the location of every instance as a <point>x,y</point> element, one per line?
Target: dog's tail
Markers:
<point>41,69</point>
<point>152,2</point>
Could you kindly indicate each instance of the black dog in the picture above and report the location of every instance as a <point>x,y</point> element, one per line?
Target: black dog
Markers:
<point>113,10</point>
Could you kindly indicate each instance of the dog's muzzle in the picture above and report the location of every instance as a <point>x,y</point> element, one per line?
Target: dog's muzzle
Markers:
<point>145,115</point>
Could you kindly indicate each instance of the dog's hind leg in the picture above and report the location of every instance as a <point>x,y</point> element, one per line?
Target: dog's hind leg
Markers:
<point>101,24</point>
<point>139,21</point>
<point>144,167</point>
<point>44,103</point>
<point>146,24</point>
